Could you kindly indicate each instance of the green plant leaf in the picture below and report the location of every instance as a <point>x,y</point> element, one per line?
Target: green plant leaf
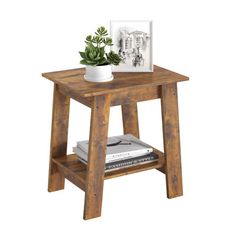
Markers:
<point>89,38</point>
<point>90,45</point>
<point>103,61</point>
<point>83,62</point>
<point>101,31</point>
<point>91,55</point>
<point>94,53</point>
<point>82,54</point>
<point>113,58</point>
<point>97,57</point>
<point>108,41</point>
<point>102,51</point>
<point>93,64</point>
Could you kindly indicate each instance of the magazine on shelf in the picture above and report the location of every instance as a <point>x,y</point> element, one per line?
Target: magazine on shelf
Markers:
<point>132,161</point>
<point>119,147</point>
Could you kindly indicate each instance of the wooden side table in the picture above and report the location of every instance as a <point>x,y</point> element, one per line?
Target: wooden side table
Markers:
<point>126,90</point>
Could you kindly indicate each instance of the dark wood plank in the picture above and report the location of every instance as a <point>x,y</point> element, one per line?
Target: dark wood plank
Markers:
<point>74,82</point>
<point>130,119</point>
<point>59,132</point>
<point>162,169</point>
<point>64,73</point>
<point>135,95</point>
<point>75,96</point>
<point>96,156</point>
<point>124,97</point>
<point>170,120</point>
<point>72,169</point>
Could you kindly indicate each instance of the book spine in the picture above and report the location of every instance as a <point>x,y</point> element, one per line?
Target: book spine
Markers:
<point>80,153</point>
<point>82,147</point>
<point>113,159</point>
<point>129,163</point>
<point>125,155</point>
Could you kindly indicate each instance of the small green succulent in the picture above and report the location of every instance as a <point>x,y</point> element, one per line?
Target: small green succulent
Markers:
<point>94,54</point>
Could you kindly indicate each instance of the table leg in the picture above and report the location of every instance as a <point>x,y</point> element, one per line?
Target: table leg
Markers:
<point>59,133</point>
<point>170,122</point>
<point>96,156</point>
<point>130,119</point>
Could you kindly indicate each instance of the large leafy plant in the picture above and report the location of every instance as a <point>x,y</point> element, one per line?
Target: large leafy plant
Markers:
<point>95,54</point>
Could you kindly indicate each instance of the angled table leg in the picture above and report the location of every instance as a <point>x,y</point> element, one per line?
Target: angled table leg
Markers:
<point>170,122</point>
<point>59,132</point>
<point>96,156</point>
<point>130,119</point>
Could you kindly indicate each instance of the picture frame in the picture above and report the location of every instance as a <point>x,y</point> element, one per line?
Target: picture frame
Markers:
<point>132,40</point>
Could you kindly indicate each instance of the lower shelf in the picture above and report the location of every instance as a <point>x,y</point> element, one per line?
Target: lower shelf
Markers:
<point>75,171</point>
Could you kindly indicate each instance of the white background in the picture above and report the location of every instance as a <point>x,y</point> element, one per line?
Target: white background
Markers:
<point>195,38</point>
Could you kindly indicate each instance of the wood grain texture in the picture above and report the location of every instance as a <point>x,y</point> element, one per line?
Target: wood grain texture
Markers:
<point>85,101</point>
<point>126,89</point>
<point>96,156</point>
<point>72,169</point>
<point>70,165</point>
<point>74,83</point>
<point>135,95</point>
<point>59,132</point>
<point>130,119</point>
<point>170,122</point>
<point>121,98</point>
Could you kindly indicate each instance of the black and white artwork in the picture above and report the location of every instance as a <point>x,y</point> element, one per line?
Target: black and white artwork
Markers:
<point>133,42</point>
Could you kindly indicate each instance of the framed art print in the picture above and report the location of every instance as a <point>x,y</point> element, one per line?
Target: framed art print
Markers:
<point>132,40</point>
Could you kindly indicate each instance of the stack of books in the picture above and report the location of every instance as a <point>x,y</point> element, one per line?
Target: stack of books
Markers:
<point>121,152</point>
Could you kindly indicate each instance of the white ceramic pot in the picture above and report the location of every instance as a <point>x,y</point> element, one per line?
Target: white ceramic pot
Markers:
<point>98,73</point>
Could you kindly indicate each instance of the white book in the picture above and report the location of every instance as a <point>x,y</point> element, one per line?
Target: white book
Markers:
<point>120,147</point>
<point>84,157</point>
<point>116,165</point>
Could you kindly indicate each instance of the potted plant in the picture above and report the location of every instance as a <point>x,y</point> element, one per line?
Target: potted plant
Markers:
<point>98,62</point>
